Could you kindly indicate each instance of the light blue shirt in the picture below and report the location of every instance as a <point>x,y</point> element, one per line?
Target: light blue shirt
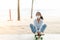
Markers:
<point>38,25</point>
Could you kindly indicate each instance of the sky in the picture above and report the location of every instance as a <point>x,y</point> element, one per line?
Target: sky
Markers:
<point>48,8</point>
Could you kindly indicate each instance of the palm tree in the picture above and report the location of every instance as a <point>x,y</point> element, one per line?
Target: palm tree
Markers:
<point>18,10</point>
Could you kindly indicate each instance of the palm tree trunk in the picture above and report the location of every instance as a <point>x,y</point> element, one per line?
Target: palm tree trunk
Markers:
<point>9,15</point>
<point>32,8</point>
<point>18,10</point>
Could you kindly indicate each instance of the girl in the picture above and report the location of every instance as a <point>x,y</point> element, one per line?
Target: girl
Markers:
<point>38,26</point>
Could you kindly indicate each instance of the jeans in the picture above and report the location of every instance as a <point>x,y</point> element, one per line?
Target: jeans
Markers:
<point>33,28</point>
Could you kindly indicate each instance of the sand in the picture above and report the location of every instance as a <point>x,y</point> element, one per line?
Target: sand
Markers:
<point>22,27</point>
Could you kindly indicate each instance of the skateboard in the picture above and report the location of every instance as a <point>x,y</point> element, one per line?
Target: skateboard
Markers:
<point>39,37</point>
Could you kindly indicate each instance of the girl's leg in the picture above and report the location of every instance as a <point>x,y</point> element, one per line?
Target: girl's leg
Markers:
<point>43,27</point>
<point>33,28</point>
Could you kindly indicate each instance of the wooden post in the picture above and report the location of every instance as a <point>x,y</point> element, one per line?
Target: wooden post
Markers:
<point>18,10</point>
<point>32,8</point>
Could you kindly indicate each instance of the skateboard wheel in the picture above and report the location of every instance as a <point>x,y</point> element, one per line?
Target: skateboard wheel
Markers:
<point>41,38</point>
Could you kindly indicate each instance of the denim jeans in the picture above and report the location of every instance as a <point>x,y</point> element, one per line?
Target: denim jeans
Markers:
<point>33,28</point>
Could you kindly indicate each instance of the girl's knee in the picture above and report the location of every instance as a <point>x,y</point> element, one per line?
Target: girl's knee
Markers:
<point>32,28</point>
<point>31,25</point>
<point>45,25</point>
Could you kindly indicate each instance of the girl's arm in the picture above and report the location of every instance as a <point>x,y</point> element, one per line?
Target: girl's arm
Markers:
<point>41,25</point>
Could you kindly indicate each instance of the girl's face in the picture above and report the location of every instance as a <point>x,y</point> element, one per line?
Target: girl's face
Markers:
<point>38,15</point>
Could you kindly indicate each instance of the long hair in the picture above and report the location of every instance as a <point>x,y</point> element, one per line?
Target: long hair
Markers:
<point>41,17</point>
<point>40,14</point>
